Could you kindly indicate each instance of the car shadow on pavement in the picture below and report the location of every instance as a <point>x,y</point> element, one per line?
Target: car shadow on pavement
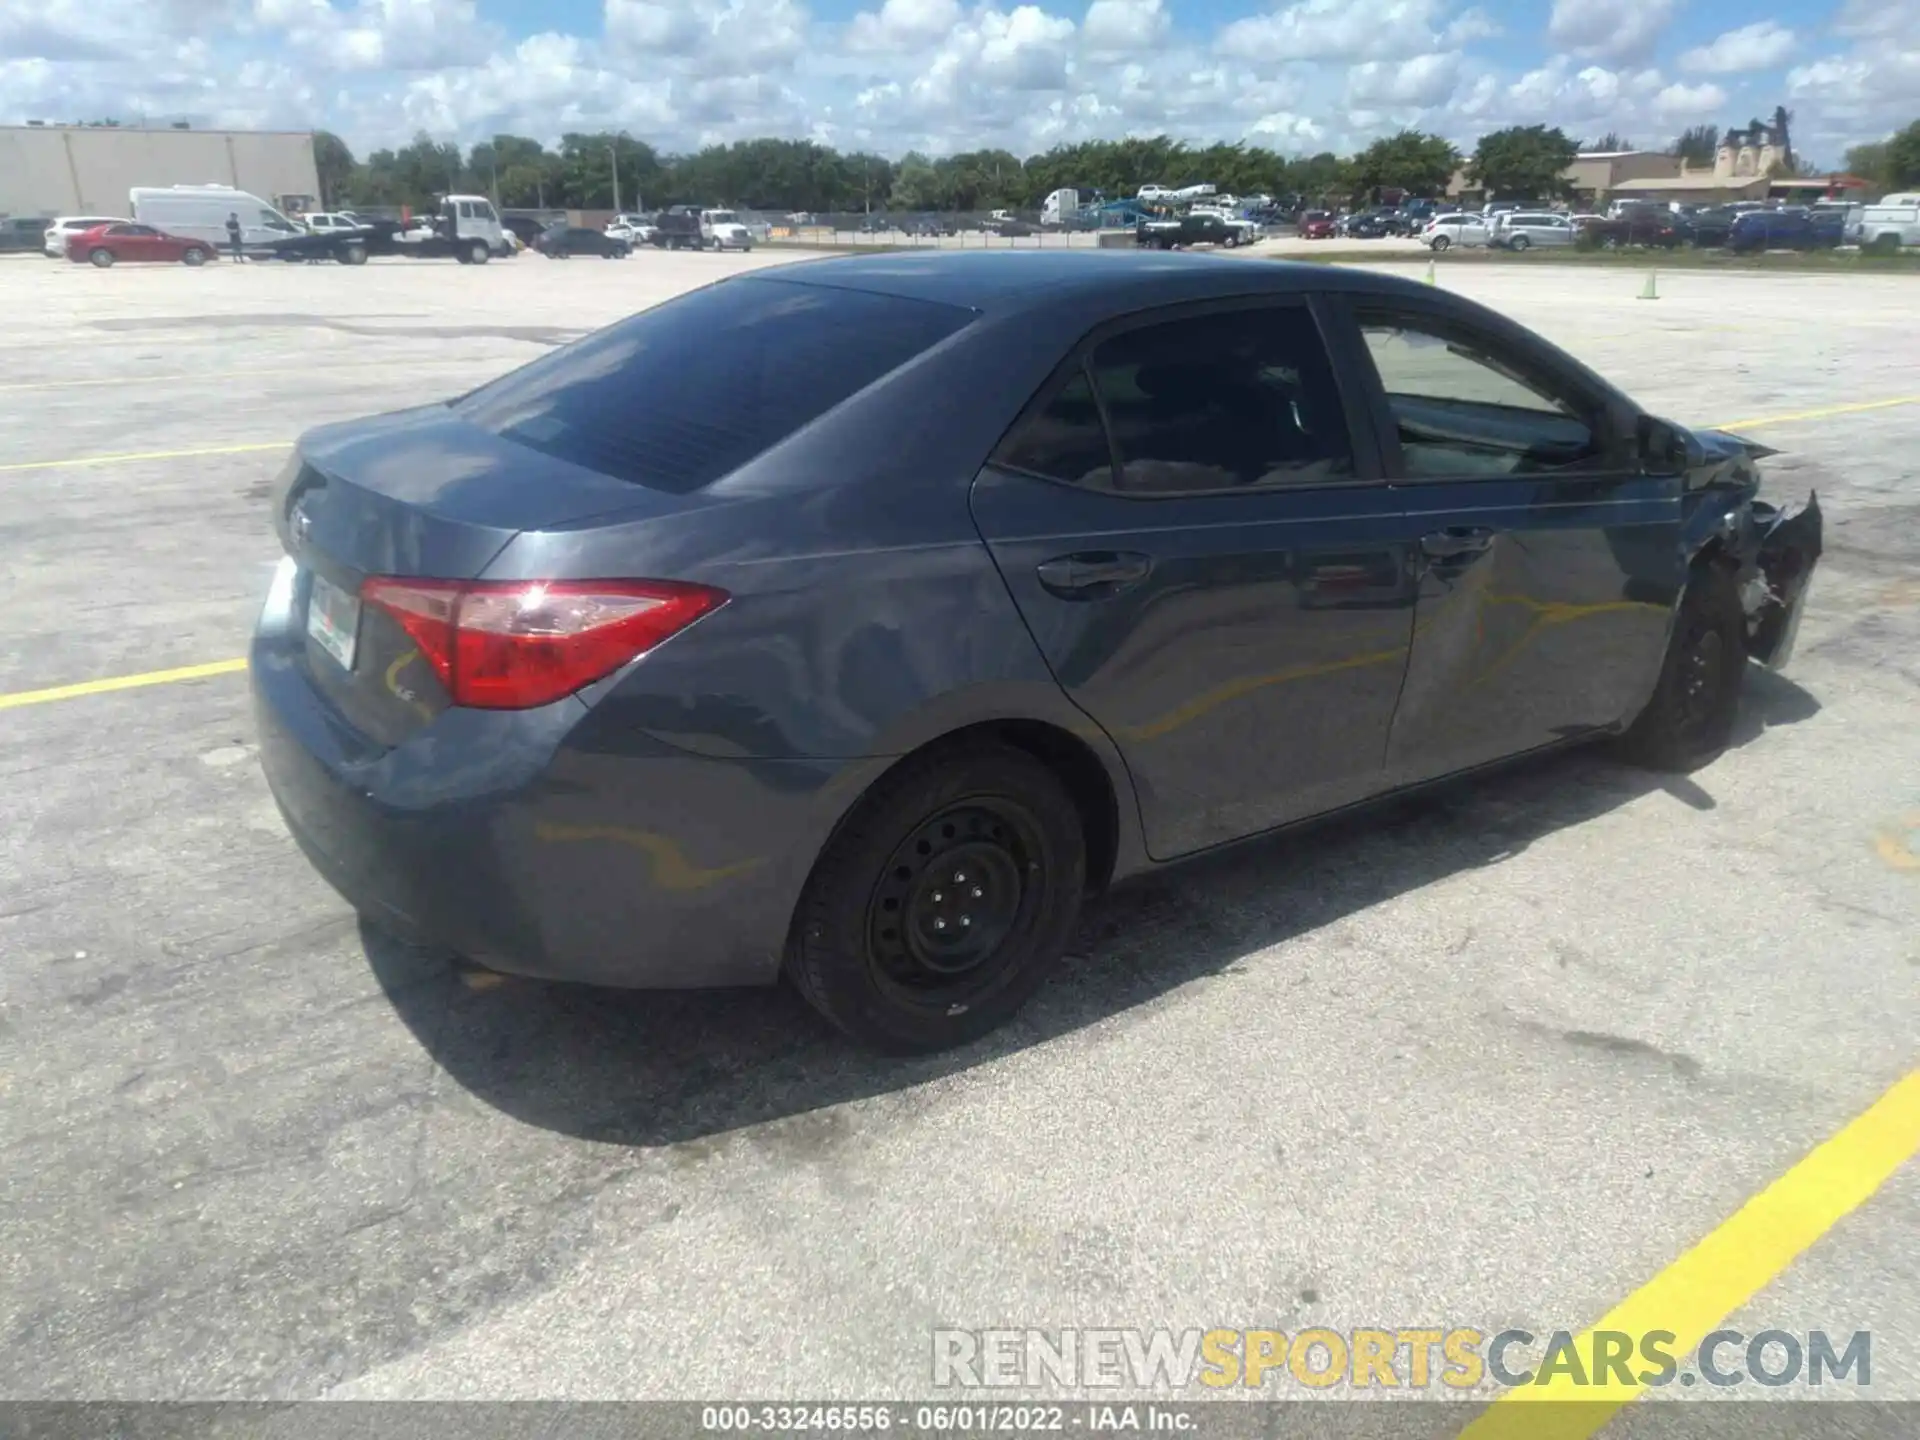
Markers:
<point>658,1068</point>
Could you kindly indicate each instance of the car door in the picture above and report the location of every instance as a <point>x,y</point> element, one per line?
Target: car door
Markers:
<point>1549,560</point>
<point>1191,520</point>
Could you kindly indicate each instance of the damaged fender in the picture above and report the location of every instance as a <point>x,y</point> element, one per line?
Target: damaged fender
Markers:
<point>1774,551</point>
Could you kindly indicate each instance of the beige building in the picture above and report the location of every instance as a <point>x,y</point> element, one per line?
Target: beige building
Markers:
<point>1594,176</point>
<point>84,169</point>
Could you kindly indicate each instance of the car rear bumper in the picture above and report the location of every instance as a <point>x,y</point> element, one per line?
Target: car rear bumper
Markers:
<point>542,844</point>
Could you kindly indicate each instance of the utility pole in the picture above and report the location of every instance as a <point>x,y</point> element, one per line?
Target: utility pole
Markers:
<point>614,158</point>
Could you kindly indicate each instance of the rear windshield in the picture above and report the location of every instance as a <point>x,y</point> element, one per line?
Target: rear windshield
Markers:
<point>680,395</point>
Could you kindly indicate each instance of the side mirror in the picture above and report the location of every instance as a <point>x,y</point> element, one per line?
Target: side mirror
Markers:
<point>1663,445</point>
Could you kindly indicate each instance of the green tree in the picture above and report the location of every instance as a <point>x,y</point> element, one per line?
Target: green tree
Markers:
<point>1523,162</point>
<point>1869,162</point>
<point>334,164</point>
<point>1411,161</point>
<point>1610,141</point>
<point>1903,158</point>
<point>1696,144</point>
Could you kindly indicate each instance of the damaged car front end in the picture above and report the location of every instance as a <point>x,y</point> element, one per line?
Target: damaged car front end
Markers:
<point>1773,550</point>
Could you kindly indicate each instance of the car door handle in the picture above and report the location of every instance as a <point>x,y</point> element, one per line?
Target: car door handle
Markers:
<point>1093,574</point>
<point>1456,542</point>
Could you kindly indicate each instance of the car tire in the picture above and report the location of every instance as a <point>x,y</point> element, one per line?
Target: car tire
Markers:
<point>907,987</point>
<point>354,255</point>
<point>1441,242</point>
<point>1887,243</point>
<point>478,253</point>
<point>1690,718</point>
<point>193,255</point>
<point>1519,243</point>
<point>102,257</point>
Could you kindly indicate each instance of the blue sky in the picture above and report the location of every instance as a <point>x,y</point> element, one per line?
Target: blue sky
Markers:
<point>941,75</point>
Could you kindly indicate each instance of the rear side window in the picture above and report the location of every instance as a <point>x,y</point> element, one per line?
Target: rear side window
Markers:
<point>682,394</point>
<point>1237,400</point>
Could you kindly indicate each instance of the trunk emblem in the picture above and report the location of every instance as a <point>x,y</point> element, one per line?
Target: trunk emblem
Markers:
<point>302,522</point>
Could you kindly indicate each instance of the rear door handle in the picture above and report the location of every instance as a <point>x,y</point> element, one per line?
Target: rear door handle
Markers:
<point>1456,542</point>
<point>1093,574</point>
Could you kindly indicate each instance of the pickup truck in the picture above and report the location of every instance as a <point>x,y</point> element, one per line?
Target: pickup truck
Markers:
<point>686,227</point>
<point>466,229</point>
<point>1188,230</point>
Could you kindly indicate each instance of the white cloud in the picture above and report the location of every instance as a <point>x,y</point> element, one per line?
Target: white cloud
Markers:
<point>1124,27</point>
<point>942,75</point>
<point>1422,81</point>
<point>1759,46</point>
<point>1609,29</point>
<point>903,25</point>
<point>1334,30</point>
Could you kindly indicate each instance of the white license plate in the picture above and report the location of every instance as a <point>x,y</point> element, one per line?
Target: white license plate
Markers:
<point>333,620</point>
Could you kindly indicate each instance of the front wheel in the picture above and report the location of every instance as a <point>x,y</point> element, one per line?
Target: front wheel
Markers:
<point>478,253</point>
<point>101,258</point>
<point>354,255</point>
<point>943,902</point>
<point>193,255</point>
<point>1441,242</point>
<point>1690,718</point>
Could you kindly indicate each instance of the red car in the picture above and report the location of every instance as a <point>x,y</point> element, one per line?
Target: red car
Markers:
<point>1317,226</point>
<point>103,245</point>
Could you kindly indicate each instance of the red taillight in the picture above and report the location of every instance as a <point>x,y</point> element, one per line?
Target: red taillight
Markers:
<point>515,644</point>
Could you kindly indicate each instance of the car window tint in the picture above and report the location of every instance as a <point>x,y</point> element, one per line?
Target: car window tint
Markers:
<point>1463,409</point>
<point>688,391</point>
<point>1239,400</point>
<point>1065,440</point>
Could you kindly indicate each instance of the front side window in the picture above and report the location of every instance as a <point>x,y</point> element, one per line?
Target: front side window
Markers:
<point>1464,409</point>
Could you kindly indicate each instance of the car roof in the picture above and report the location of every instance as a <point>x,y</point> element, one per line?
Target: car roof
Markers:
<point>1000,281</point>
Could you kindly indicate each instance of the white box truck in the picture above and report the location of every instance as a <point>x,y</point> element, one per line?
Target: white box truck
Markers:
<point>1060,208</point>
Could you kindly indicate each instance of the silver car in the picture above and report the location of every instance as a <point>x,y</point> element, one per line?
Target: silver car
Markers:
<point>1523,229</point>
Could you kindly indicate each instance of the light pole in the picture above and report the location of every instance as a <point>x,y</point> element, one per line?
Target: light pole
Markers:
<point>614,159</point>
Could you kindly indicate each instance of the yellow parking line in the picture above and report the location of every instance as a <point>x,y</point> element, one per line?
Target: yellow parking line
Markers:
<point>1823,413</point>
<point>1725,1271</point>
<point>122,458</point>
<point>119,682</point>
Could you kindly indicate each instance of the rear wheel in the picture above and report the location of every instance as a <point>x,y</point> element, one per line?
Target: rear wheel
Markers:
<point>1519,242</point>
<point>102,258</point>
<point>940,906</point>
<point>1885,244</point>
<point>354,255</point>
<point>1690,717</point>
<point>193,255</point>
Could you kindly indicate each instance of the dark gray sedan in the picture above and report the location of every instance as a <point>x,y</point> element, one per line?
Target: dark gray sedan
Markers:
<point>856,618</point>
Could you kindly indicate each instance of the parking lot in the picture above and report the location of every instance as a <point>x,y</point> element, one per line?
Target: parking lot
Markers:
<point>1497,1058</point>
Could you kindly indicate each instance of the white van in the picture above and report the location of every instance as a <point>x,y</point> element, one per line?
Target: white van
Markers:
<point>1894,222</point>
<point>200,212</point>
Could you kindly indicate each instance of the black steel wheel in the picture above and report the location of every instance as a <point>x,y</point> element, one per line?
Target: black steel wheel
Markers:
<point>942,902</point>
<point>1689,719</point>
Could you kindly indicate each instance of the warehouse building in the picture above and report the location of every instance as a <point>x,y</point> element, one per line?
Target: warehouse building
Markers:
<point>88,169</point>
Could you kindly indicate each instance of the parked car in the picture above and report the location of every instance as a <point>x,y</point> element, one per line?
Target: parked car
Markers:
<point>1375,225</point>
<point>1317,225</point>
<point>22,233</point>
<point>1785,229</point>
<point>1444,232</point>
<point>330,222</point>
<point>1892,223</point>
<point>1706,226</point>
<point>1521,230</point>
<point>106,245</point>
<point>563,242</point>
<point>59,232</point>
<point>1649,225</point>
<point>600,674</point>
